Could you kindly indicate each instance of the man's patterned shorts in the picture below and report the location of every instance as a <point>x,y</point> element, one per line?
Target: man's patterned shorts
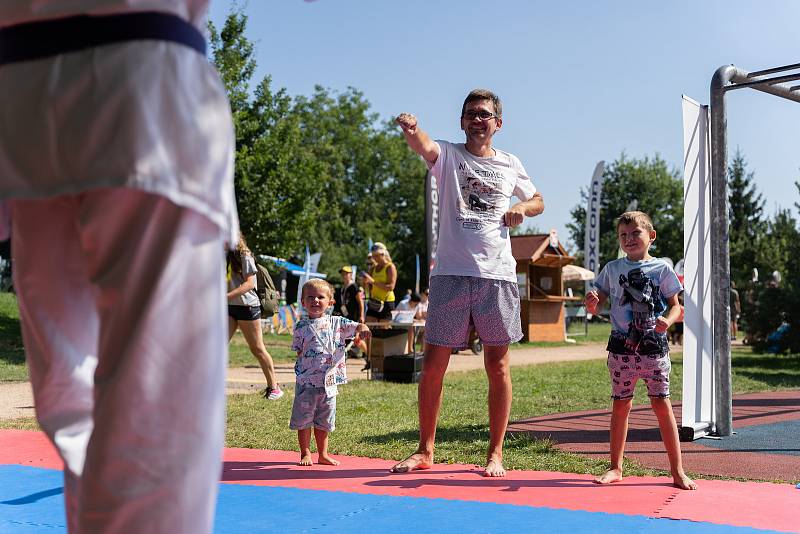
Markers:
<point>459,303</point>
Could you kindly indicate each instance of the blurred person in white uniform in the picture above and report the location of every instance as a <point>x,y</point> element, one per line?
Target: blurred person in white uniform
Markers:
<point>116,164</point>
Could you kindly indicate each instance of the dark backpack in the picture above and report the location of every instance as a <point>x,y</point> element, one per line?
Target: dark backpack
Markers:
<point>267,294</point>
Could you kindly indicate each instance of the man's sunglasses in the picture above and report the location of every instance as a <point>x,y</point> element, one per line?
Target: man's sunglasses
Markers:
<point>482,115</point>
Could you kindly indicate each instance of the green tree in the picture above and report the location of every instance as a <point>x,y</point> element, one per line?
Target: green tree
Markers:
<point>649,185</point>
<point>273,170</point>
<point>374,185</point>
<point>766,306</point>
<point>746,220</point>
<point>320,170</point>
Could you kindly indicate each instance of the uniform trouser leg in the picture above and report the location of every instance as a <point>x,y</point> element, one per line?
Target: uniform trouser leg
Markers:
<point>60,325</point>
<point>132,283</point>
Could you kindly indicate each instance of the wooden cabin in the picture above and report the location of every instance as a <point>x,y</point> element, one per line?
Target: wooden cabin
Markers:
<point>540,259</point>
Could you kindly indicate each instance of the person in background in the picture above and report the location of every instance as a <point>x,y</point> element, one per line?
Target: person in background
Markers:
<point>412,304</point>
<point>422,308</point>
<point>116,168</point>
<point>381,280</point>
<point>244,313</point>
<point>405,298</point>
<point>349,303</point>
<point>736,310</point>
<point>676,331</point>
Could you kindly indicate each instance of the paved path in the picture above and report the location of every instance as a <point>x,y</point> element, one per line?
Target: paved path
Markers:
<point>16,398</point>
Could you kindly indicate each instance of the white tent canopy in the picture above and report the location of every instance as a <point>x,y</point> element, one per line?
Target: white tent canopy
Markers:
<point>574,273</point>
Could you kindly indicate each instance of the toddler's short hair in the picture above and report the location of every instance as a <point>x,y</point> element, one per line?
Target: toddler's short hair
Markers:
<point>317,283</point>
<point>639,217</point>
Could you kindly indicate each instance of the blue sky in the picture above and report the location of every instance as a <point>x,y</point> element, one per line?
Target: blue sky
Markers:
<point>580,81</point>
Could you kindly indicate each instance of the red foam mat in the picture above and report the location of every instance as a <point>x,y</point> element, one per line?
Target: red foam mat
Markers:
<point>750,504</point>
<point>747,504</point>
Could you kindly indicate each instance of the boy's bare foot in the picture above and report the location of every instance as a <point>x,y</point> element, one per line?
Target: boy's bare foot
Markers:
<point>494,468</point>
<point>414,462</point>
<point>683,482</point>
<point>305,459</point>
<point>609,477</point>
<point>324,459</point>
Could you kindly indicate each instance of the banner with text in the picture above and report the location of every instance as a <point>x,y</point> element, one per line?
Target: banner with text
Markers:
<point>591,240</point>
<point>431,219</point>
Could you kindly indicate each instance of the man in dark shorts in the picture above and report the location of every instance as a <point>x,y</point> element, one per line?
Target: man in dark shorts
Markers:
<point>349,302</point>
<point>473,283</point>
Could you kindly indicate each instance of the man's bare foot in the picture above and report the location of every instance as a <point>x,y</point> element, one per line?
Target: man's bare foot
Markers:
<point>324,459</point>
<point>683,482</point>
<point>305,459</point>
<point>494,468</point>
<point>414,462</point>
<point>609,477</point>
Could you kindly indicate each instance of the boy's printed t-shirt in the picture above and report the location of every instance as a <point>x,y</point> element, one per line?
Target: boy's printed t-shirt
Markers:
<point>474,194</point>
<point>638,293</point>
<point>320,344</point>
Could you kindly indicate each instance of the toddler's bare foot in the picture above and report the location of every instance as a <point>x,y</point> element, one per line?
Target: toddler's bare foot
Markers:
<point>305,459</point>
<point>683,482</point>
<point>324,459</point>
<point>494,468</point>
<point>416,461</point>
<point>609,477</point>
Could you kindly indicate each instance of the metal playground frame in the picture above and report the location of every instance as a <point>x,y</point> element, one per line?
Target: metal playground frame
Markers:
<point>707,403</point>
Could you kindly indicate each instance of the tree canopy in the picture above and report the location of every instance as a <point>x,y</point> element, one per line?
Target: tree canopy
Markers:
<point>747,225</point>
<point>321,169</point>
<point>646,185</point>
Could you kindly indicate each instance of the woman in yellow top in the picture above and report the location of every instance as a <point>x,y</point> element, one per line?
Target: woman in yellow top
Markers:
<point>381,279</point>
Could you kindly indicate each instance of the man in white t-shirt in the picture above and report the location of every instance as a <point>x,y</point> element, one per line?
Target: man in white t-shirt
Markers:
<point>473,284</point>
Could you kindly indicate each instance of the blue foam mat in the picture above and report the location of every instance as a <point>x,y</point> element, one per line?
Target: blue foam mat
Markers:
<point>31,501</point>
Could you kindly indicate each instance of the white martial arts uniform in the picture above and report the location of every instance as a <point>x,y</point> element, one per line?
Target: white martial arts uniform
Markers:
<point>116,169</point>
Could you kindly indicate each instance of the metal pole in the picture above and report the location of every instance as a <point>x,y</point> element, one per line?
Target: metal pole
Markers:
<point>740,79</point>
<point>720,260</point>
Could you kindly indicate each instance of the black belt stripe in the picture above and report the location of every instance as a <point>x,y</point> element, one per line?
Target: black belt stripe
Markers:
<point>37,40</point>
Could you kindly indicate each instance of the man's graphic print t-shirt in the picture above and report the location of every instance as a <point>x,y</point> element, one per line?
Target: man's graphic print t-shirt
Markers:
<point>474,194</point>
<point>638,293</point>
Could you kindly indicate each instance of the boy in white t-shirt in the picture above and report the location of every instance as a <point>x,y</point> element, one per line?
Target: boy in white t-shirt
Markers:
<point>473,283</point>
<point>319,342</point>
<point>643,292</point>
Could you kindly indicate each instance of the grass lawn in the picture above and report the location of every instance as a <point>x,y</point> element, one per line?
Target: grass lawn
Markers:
<point>12,355</point>
<point>12,358</point>
<point>278,346</point>
<point>378,419</point>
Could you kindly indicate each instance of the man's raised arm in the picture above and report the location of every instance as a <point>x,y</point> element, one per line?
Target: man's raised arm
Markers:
<point>419,141</point>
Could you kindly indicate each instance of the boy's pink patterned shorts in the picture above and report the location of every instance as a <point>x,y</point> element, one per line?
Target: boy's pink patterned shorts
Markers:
<point>626,369</point>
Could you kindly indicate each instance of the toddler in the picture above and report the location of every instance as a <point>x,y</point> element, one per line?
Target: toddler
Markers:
<point>319,342</point>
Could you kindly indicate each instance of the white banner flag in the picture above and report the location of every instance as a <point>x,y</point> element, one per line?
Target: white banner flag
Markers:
<point>591,248</point>
<point>698,374</point>
<point>431,220</point>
